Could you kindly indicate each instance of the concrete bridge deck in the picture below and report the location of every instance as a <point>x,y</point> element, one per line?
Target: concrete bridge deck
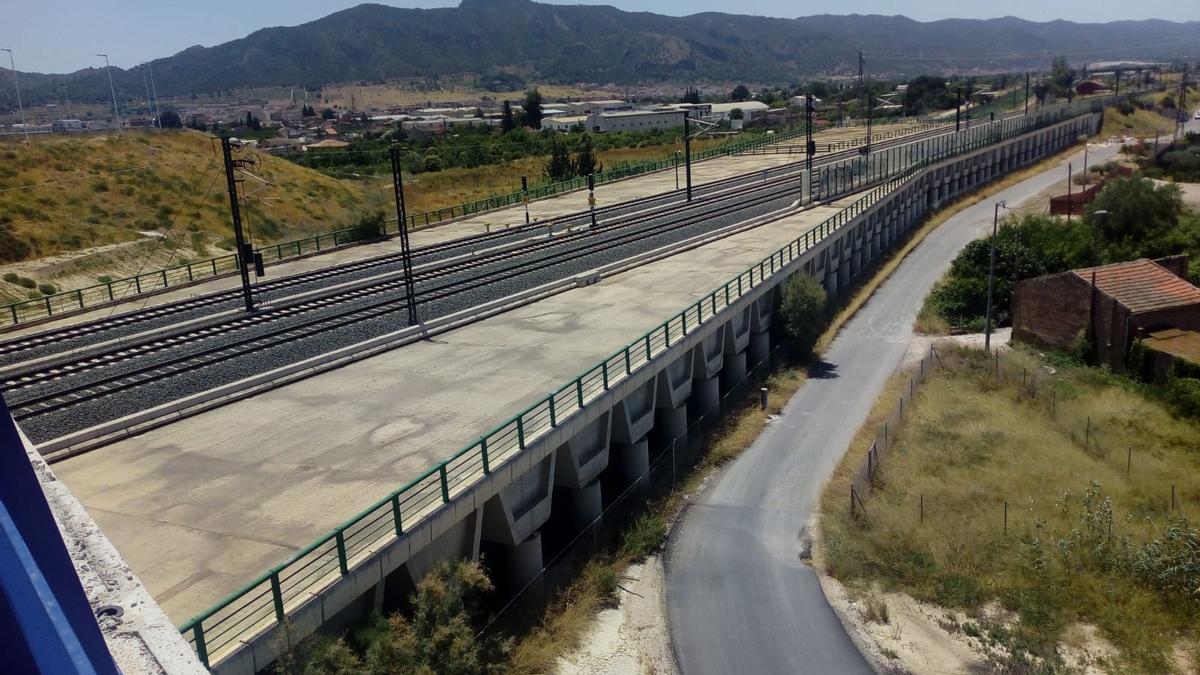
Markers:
<point>205,504</point>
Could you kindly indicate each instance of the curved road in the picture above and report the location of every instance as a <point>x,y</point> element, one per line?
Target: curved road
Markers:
<point>739,599</point>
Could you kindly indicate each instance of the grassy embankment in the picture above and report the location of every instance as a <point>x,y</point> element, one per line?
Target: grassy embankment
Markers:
<point>114,196</point>
<point>1091,535</point>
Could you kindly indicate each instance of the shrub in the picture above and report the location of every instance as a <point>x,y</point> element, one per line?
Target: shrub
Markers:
<point>644,536</point>
<point>27,282</point>
<point>1183,395</point>
<point>12,249</point>
<point>47,289</point>
<point>367,227</point>
<point>803,310</point>
<point>11,277</point>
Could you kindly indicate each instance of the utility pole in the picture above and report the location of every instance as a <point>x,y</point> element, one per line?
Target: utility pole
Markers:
<point>245,252</point>
<point>958,112</point>
<point>410,293</point>
<point>810,146</point>
<point>149,105</point>
<point>687,153</point>
<point>1070,204</point>
<point>112,90</point>
<point>17,86</point>
<point>1181,109</point>
<point>987,330</point>
<point>677,169</point>
<point>592,198</point>
<point>862,84</point>
<point>154,93</point>
<point>1118,89</point>
<point>1026,93</point>
<point>525,196</point>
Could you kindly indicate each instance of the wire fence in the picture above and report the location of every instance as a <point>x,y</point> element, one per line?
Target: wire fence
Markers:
<point>862,481</point>
<point>1038,388</point>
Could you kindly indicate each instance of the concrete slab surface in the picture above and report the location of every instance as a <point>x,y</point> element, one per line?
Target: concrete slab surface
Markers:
<point>203,505</point>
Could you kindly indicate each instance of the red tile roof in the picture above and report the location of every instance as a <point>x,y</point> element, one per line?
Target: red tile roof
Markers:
<point>1142,285</point>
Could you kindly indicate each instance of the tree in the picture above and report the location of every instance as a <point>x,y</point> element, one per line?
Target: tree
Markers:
<point>692,95</point>
<point>803,310</point>
<point>479,113</point>
<point>560,166</point>
<point>507,121</point>
<point>926,93</point>
<point>737,114</point>
<point>532,115</point>
<point>740,93</point>
<point>252,121</point>
<point>170,120</point>
<point>433,162</point>
<point>1141,220</point>
<point>585,160</point>
<point>1062,77</point>
<point>328,114</point>
<point>195,123</point>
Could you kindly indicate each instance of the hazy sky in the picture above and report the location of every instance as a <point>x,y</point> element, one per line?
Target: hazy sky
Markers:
<point>55,36</point>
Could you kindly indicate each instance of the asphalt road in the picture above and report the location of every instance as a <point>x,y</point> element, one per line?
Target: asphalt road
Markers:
<point>739,598</point>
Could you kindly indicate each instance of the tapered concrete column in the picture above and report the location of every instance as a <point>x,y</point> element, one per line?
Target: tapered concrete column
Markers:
<point>586,504</point>
<point>671,424</point>
<point>523,565</point>
<point>734,371</point>
<point>760,346</point>
<point>706,394</point>
<point>632,461</point>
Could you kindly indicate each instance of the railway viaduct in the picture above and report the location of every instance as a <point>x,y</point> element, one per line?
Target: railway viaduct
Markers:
<point>560,457</point>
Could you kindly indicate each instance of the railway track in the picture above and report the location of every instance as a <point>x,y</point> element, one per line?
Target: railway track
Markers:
<point>458,276</point>
<point>68,338</point>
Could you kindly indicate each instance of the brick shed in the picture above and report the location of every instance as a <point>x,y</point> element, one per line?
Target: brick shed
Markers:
<point>1055,310</point>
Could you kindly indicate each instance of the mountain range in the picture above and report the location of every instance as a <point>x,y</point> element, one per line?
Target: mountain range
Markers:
<point>520,40</point>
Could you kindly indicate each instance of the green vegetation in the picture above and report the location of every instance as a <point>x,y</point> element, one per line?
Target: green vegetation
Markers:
<point>1181,163</point>
<point>440,636</point>
<point>369,226</point>
<point>1087,467</point>
<point>1143,220</point>
<point>803,308</point>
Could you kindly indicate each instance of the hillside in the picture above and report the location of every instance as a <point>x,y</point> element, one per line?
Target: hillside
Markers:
<point>106,202</point>
<point>503,39</point>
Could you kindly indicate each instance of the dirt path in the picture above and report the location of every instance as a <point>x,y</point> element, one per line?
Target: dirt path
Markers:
<point>631,637</point>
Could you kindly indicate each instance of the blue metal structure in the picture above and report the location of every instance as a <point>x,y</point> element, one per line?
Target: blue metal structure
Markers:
<point>46,622</point>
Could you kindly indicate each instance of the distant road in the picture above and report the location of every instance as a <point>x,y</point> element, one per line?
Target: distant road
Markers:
<point>739,599</point>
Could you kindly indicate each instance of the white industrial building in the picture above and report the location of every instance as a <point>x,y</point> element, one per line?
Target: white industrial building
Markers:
<point>635,120</point>
<point>565,122</point>
<point>750,109</point>
<point>601,106</point>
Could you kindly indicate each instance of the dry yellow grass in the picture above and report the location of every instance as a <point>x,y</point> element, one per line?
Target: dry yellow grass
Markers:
<point>970,445</point>
<point>101,189</point>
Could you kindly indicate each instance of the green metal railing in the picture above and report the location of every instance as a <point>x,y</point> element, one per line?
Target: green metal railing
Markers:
<point>266,600</point>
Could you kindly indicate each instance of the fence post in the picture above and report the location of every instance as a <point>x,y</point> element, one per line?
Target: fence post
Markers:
<point>396,514</point>
<point>341,553</point>
<point>444,483</point>
<point>277,596</point>
<point>201,648</point>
